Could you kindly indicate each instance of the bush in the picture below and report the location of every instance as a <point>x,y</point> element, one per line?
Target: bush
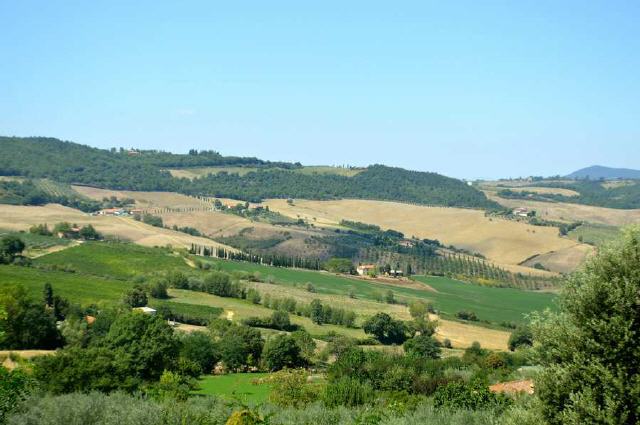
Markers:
<point>290,388</point>
<point>14,387</point>
<point>347,392</point>
<point>137,297</point>
<point>422,346</point>
<point>159,290</point>
<point>473,396</point>
<point>467,315</point>
<point>521,337</point>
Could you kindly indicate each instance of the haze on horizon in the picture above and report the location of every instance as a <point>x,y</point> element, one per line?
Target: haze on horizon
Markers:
<point>469,90</point>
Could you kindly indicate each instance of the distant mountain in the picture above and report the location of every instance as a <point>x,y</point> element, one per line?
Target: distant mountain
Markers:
<point>146,170</point>
<point>598,172</point>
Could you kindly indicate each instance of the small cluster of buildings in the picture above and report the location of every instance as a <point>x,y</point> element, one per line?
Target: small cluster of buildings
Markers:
<point>367,269</point>
<point>521,212</point>
<point>118,212</point>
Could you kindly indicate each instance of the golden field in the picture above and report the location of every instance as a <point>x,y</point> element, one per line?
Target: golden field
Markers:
<point>563,211</point>
<point>13,217</point>
<point>502,241</point>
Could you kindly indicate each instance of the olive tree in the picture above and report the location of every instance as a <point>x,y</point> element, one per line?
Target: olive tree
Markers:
<point>590,348</point>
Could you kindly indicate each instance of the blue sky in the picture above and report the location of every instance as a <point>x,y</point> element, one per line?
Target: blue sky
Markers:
<point>469,89</point>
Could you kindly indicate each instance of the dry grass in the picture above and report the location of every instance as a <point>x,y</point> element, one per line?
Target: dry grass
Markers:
<point>196,172</point>
<point>143,199</point>
<point>560,211</point>
<point>14,217</point>
<point>563,261</point>
<point>502,241</point>
<point>463,335</point>
<point>546,190</point>
<point>327,169</point>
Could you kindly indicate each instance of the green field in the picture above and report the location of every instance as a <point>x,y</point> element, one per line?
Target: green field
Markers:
<point>450,296</point>
<point>234,386</point>
<point>86,290</point>
<point>103,272</point>
<point>114,260</point>
<point>33,241</point>
<point>595,234</point>
<point>242,309</point>
<point>75,287</point>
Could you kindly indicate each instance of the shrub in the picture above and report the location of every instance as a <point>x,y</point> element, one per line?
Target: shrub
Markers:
<point>14,387</point>
<point>347,392</point>
<point>137,297</point>
<point>467,315</point>
<point>521,337</point>
<point>290,388</point>
<point>422,346</point>
<point>472,396</point>
<point>159,290</point>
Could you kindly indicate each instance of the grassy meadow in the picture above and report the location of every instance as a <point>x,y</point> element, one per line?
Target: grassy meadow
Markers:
<point>595,234</point>
<point>245,387</point>
<point>450,296</point>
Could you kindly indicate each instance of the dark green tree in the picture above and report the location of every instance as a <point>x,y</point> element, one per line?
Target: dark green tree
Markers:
<point>520,337</point>
<point>316,312</point>
<point>282,352</point>
<point>136,297</point>
<point>199,348</point>
<point>48,295</point>
<point>422,346</point>
<point>240,346</point>
<point>385,329</point>
<point>10,247</point>
<point>27,324</point>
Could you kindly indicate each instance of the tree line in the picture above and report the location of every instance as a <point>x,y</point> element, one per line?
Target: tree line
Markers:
<point>145,170</point>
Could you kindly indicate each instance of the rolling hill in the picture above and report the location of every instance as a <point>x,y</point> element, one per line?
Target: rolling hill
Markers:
<point>597,172</point>
<point>69,162</point>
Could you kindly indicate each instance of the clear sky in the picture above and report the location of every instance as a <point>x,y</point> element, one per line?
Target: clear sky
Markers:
<point>468,89</point>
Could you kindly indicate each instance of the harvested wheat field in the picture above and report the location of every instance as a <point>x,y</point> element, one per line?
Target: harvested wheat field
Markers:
<point>144,199</point>
<point>546,190</point>
<point>196,172</point>
<point>563,211</point>
<point>14,217</point>
<point>563,261</point>
<point>502,241</point>
<point>463,335</point>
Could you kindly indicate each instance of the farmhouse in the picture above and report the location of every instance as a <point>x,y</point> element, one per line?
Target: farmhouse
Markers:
<point>112,211</point>
<point>364,269</point>
<point>395,273</point>
<point>521,212</point>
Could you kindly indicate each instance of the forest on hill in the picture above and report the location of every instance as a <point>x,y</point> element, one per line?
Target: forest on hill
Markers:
<point>625,195</point>
<point>145,170</point>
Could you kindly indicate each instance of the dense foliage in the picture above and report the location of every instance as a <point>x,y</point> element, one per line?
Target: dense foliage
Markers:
<point>590,350</point>
<point>624,196</point>
<point>144,170</point>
